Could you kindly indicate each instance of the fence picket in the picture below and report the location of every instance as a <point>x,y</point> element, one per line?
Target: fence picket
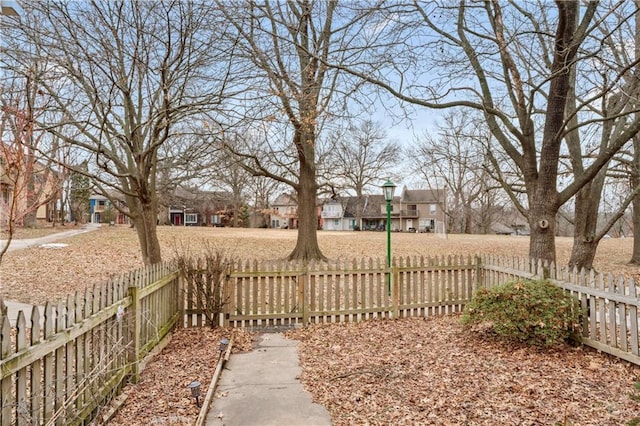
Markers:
<point>35,383</point>
<point>22,410</point>
<point>634,330</point>
<point>622,316</point>
<point>6,386</point>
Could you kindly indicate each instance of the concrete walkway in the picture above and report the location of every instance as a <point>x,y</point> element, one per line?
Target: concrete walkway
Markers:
<point>14,307</point>
<point>261,388</point>
<point>30,242</point>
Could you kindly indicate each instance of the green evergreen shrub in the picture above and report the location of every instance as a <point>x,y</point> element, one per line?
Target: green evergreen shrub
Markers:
<point>536,312</point>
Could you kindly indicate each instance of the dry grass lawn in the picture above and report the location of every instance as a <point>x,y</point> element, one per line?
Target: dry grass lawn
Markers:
<point>36,275</point>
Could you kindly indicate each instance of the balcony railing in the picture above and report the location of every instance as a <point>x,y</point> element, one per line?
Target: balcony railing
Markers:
<point>410,213</point>
<point>331,215</point>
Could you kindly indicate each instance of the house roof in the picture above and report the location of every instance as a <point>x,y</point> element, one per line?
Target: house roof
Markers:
<point>284,200</point>
<point>371,206</point>
<point>422,195</point>
<point>500,228</point>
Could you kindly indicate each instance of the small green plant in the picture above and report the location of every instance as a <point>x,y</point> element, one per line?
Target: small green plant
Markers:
<point>536,312</point>
<point>635,394</point>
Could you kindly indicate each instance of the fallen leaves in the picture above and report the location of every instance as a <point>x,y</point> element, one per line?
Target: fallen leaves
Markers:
<point>161,396</point>
<point>431,371</point>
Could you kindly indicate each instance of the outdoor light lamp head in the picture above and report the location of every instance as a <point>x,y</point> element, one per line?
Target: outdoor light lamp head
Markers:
<point>388,189</point>
<point>223,344</point>
<point>195,391</point>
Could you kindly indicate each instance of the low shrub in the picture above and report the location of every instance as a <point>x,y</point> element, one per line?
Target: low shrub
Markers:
<point>536,312</point>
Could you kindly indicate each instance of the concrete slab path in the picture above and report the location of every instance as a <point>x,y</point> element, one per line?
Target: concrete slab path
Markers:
<point>261,388</point>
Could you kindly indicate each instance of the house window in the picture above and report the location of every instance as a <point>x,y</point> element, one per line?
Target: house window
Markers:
<point>191,218</point>
<point>275,223</point>
<point>336,222</point>
<point>102,202</point>
<point>6,194</point>
<point>352,224</point>
<point>432,208</point>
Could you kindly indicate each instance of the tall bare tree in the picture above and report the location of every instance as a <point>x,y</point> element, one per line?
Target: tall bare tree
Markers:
<point>635,169</point>
<point>588,141</point>
<point>359,157</point>
<point>289,45</point>
<point>516,64</point>
<point>130,75</point>
<point>454,158</point>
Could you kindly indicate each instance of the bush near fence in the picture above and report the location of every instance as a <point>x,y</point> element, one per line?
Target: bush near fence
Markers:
<point>62,366</point>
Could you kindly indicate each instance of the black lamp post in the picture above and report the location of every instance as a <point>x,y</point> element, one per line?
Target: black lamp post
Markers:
<point>388,189</point>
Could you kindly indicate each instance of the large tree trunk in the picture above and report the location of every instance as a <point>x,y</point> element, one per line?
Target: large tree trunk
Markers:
<point>585,239</point>
<point>635,254</point>
<point>145,222</point>
<point>307,243</point>
<point>582,253</point>
<point>468,219</point>
<point>542,224</point>
<point>542,182</point>
<point>635,181</point>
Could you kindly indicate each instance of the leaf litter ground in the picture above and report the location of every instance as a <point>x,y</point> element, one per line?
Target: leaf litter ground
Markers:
<point>432,371</point>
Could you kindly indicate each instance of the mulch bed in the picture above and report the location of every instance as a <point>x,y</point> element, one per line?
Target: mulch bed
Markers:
<point>434,372</point>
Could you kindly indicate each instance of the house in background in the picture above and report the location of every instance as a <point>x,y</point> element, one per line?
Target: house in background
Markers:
<point>32,186</point>
<point>339,214</point>
<point>102,210</point>
<point>284,212</point>
<point>422,210</point>
<point>414,210</point>
<point>192,207</point>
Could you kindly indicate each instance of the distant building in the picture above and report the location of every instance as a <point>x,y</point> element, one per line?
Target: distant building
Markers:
<point>192,207</point>
<point>103,210</point>
<point>284,212</point>
<point>419,210</point>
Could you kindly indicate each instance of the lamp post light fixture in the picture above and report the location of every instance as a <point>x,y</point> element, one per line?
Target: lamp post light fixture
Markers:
<point>195,391</point>
<point>388,189</point>
<point>223,346</point>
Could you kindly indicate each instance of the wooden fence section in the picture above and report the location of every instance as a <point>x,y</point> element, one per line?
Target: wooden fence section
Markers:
<point>611,304</point>
<point>59,367</point>
<point>435,286</point>
<point>265,294</point>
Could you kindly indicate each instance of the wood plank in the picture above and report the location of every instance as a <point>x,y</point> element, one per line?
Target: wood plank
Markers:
<point>633,316</point>
<point>7,396</point>
<point>622,316</point>
<point>22,407</point>
<point>49,372</point>
<point>35,384</point>
<point>59,373</point>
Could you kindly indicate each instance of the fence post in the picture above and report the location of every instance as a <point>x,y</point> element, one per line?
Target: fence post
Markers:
<point>181,290</point>
<point>302,296</point>
<point>479,274</point>
<point>226,292</point>
<point>395,290</point>
<point>136,321</point>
